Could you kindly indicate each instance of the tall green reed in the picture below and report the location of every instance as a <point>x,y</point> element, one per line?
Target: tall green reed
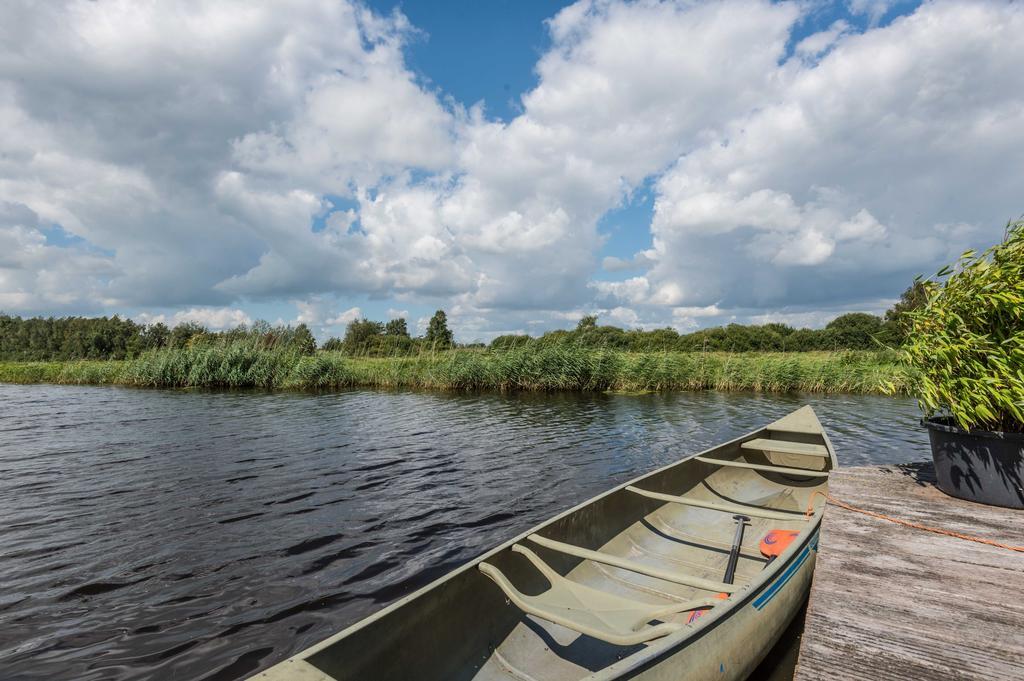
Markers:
<point>548,368</point>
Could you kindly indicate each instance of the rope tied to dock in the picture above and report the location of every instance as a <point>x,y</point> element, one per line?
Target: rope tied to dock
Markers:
<point>906,523</point>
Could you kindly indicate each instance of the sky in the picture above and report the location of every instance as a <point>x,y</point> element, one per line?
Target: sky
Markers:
<point>518,164</point>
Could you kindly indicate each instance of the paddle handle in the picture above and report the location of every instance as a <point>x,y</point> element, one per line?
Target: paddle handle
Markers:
<point>734,553</point>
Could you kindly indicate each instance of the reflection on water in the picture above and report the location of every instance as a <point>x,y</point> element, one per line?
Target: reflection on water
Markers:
<point>170,534</point>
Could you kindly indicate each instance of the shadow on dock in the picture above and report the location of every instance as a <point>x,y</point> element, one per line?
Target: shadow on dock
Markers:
<point>921,472</point>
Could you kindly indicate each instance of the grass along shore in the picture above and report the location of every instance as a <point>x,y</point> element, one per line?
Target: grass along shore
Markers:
<point>553,368</point>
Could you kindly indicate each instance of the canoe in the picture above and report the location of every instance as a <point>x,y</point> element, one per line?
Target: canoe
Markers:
<point>644,581</point>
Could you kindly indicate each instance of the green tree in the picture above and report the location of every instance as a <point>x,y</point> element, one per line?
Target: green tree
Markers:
<point>913,298</point>
<point>854,331</point>
<point>439,336</point>
<point>396,327</point>
<point>360,335</point>
<point>897,321</point>
<point>805,340</point>
<point>510,341</point>
<point>182,334</point>
<point>781,329</point>
<point>302,340</point>
<point>261,327</point>
<point>654,340</point>
<point>237,334</point>
<point>333,344</point>
<point>392,346</point>
<point>156,336</point>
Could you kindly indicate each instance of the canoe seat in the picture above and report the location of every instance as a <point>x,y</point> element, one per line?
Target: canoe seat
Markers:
<point>762,467</point>
<point>785,447</point>
<point>633,566</point>
<point>589,611</point>
<point>725,507</point>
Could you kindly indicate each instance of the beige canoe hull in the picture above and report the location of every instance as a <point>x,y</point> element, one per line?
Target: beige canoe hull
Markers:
<point>466,626</point>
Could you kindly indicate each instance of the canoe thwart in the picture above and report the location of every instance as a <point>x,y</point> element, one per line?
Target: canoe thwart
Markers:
<point>589,611</point>
<point>762,467</point>
<point>632,566</point>
<point>726,507</point>
<point>786,447</point>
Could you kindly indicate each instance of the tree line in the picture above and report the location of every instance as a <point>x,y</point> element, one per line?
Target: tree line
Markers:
<point>368,338</point>
<point>74,338</point>
<point>853,331</point>
<point>70,338</point>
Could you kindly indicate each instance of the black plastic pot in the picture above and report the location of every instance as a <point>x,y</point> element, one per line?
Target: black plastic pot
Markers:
<point>977,465</point>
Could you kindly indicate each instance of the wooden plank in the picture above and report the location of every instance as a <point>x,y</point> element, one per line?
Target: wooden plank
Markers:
<point>891,602</point>
<point>785,447</point>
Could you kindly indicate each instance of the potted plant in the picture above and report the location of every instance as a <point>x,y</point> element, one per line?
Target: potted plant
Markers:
<point>966,347</point>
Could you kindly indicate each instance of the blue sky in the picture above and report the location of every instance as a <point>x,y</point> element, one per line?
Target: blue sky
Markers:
<point>518,164</point>
<point>477,51</point>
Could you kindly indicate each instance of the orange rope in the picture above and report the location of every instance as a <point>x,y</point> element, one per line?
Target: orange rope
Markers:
<point>949,533</point>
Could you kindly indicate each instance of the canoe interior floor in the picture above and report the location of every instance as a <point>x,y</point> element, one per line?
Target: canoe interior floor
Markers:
<point>685,539</point>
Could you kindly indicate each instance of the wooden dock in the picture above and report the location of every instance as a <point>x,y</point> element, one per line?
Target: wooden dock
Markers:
<point>891,602</point>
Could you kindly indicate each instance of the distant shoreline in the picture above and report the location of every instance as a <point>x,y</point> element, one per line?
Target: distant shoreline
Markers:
<point>545,370</point>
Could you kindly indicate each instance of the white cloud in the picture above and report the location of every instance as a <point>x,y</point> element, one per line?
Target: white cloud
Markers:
<point>190,148</point>
<point>686,319</point>
<point>323,316</point>
<point>639,261</point>
<point>837,191</point>
<point>816,319</point>
<point>318,311</point>
<point>154,131</point>
<point>623,316</point>
<point>345,317</point>
<point>813,46</point>
<point>356,125</point>
<point>32,269</point>
<point>873,9</point>
<point>214,318</point>
<point>635,290</point>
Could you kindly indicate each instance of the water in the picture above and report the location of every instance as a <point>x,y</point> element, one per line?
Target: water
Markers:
<point>197,535</point>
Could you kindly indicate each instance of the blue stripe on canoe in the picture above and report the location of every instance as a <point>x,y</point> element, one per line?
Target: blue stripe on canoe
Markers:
<point>770,592</point>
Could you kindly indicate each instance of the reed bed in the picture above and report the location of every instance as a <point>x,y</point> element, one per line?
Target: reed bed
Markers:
<point>547,369</point>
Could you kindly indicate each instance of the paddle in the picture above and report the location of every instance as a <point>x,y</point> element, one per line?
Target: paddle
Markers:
<point>730,567</point>
<point>734,552</point>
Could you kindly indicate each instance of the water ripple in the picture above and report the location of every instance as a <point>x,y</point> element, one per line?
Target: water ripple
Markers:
<point>201,535</point>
